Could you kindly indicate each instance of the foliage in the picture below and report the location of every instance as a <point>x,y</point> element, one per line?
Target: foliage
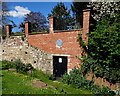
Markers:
<point>3,36</point>
<point>6,64</point>
<point>21,67</point>
<point>4,8</point>
<point>103,9</point>
<point>77,8</point>
<point>98,11</point>
<point>77,79</point>
<point>51,77</point>
<point>39,74</point>
<point>4,18</point>
<point>37,20</point>
<point>23,38</point>
<point>82,43</point>
<point>17,33</point>
<point>103,50</point>
<point>63,19</point>
<point>21,84</point>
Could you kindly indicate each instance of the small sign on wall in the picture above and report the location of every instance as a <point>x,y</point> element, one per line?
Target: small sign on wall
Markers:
<point>60,60</point>
<point>59,43</point>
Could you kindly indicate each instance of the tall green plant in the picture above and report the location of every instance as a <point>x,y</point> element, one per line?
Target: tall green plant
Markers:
<point>104,50</point>
<point>63,19</point>
<point>77,79</point>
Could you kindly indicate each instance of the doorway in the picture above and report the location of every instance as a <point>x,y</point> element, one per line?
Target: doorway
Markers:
<point>59,65</point>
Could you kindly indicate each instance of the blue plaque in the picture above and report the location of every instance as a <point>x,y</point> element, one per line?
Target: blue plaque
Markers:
<point>59,43</point>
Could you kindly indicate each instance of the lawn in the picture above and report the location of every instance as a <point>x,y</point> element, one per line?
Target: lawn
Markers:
<point>16,83</point>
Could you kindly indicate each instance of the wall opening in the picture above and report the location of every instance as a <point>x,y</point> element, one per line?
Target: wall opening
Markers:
<point>59,65</point>
<point>25,52</point>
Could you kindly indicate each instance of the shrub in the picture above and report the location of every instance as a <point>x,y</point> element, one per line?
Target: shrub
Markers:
<point>3,36</point>
<point>28,67</point>
<point>76,78</point>
<point>51,77</point>
<point>23,38</point>
<point>103,49</point>
<point>7,64</point>
<point>21,67</point>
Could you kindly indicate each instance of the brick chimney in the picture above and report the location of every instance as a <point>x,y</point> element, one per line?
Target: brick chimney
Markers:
<point>27,28</point>
<point>86,24</point>
<point>8,30</point>
<point>51,24</point>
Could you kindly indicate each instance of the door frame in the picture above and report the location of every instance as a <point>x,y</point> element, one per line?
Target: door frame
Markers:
<point>66,55</point>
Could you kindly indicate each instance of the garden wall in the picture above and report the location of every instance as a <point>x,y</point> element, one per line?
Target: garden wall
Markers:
<point>100,81</point>
<point>15,48</point>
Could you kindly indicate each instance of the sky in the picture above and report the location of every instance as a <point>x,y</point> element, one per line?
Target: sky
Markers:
<point>18,10</point>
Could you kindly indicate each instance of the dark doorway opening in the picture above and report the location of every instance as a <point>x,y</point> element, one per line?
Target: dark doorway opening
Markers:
<point>59,65</point>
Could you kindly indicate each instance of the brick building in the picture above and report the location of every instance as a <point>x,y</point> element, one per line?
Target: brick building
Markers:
<point>63,45</point>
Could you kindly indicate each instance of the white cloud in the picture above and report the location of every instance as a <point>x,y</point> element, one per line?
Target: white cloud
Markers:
<point>19,11</point>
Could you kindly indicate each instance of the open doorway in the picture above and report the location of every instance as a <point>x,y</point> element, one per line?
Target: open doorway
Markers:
<point>59,65</point>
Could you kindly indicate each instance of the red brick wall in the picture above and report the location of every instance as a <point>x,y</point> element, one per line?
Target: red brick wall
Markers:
<point>47,42</point>
<point>100,81</point>
<point>8,30</point>
<point>71,46</point>
<point>27,28</point>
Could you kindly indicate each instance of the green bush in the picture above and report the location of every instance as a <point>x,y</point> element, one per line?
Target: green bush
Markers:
<point>51,77</point>
<point>110,74</point>
<point>76,78</point>
<point>3,36</point>
<point>7,64</point>
<point>23,38</point>
<point>21,67</point>
<point>40,74</point>
<point>103,49</point>
<point>18,33</point>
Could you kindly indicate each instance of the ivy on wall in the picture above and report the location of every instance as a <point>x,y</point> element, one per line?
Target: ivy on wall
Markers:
<point>104,50</point>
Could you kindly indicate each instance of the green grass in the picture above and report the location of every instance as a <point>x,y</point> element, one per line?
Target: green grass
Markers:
<point>61,86</point>
<point>16,83</point>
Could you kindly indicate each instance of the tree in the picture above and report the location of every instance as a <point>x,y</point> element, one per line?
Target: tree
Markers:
<point>104,49</point>
<point>4,16</point>
<point>102,9</point>
<point>98,11</point>
<point>77,8</point>
<point>3,19</point>
<point>37,20</point>
<point>62,17</point>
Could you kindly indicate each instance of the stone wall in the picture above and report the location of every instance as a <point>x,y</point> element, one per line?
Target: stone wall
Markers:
<point>15,48</point>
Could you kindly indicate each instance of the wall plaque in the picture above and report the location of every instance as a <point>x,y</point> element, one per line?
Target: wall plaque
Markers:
<point>59,43</point>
